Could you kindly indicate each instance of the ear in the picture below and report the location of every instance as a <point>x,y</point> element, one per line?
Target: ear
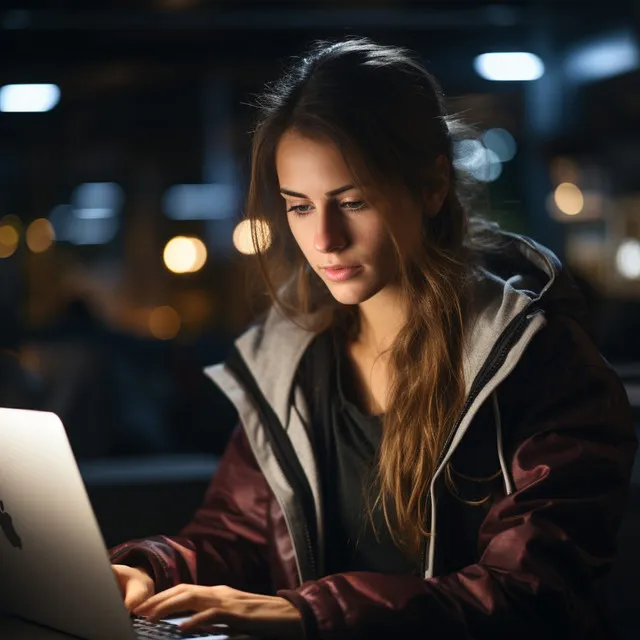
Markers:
<point>435,195</point>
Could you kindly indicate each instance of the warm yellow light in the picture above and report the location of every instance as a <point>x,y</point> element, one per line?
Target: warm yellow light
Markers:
<point>40,235</point>
<point>164,323</point>
<point>185,255</point>
<point>243,241</point>
<point>13,221</point>
<point>8,240</point>
<point>569,198</point>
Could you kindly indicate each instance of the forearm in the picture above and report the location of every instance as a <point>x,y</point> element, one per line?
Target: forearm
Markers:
<point>474,603</point>
<point>205,561</point>
<point>225,542</point>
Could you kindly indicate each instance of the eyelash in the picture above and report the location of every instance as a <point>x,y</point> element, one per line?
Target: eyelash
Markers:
<point>296,208</point>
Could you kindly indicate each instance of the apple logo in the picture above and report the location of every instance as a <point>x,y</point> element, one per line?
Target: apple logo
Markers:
<point>6,524</point>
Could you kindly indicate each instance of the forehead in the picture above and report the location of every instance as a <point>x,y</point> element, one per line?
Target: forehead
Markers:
<point>303,159</point>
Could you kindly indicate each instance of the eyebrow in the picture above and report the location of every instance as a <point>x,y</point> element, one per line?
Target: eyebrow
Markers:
<point>328,194</point>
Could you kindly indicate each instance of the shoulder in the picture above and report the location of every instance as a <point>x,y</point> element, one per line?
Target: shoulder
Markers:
<point>562,382</point>
<point>563,343</point>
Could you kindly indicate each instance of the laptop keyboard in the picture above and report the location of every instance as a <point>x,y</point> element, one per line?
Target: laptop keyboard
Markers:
<point>146,630</point>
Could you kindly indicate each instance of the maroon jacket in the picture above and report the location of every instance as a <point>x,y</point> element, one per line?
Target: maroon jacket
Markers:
<point>545,416</point>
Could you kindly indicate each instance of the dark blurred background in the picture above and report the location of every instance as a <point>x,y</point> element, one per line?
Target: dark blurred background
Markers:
<point>123,267</point>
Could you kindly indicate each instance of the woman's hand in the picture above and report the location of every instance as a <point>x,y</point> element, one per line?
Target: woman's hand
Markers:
<point>243,612</point>
<point>135,583</point>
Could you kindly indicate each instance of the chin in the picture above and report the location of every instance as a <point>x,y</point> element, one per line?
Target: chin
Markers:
<point>350,294</point>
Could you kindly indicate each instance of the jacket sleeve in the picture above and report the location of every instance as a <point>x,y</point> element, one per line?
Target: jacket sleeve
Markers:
<point>225,542</point>
<point>544,549</point>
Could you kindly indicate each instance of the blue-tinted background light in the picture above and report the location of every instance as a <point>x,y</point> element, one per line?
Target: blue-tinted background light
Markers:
<point>472,157</point>
<point>603,57</point>
<point>93,217</point>
<point>28,98</point>
<point>514,66</point>
<point>501,142</point>
<point>200,201</point>
<point>98,195</point>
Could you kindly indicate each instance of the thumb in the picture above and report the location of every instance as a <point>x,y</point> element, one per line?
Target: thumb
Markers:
<point>136,593</point>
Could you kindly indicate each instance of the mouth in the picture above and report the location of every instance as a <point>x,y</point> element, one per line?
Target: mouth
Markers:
<point>341,273</point>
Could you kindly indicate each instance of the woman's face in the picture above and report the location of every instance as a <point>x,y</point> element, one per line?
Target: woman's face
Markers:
<point>343,238</point>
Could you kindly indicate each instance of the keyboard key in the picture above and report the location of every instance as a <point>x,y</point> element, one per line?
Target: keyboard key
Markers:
<point>147,630</point>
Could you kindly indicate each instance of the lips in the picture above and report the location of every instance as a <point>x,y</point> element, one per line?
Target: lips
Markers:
<point>341,272</point>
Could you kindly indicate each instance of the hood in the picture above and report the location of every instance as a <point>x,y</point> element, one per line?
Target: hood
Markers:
<point>522,273</point>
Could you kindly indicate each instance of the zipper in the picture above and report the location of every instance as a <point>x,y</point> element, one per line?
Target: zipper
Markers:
<point>494,361</point>
<point>285,456</point>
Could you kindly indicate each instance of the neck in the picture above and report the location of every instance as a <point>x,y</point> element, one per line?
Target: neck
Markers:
<point>381,319</point>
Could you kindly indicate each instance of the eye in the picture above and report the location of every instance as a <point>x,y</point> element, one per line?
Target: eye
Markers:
<point>303,209</point>
<point>298,209</point>
<point>354,205</point>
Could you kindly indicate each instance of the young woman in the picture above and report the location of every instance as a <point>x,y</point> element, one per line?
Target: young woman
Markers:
<point>429,442</point>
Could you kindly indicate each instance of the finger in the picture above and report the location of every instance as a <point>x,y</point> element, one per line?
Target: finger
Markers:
<point>161,597</point>
<point>208,616</point>
<point>136,594</point>
<point>179,603</point>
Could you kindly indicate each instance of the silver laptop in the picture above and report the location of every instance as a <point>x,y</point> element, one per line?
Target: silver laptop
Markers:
<point>54,565</point>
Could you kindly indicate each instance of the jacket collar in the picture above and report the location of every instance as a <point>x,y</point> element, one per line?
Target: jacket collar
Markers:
<point>522,274</point>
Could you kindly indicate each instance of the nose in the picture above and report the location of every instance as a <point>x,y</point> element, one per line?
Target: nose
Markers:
<point>330,233</point>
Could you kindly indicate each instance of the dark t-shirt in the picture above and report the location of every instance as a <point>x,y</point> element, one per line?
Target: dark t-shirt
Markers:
<point>346,441</point>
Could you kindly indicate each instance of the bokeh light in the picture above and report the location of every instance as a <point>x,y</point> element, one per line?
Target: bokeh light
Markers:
<point>501,142</point>
<point>473,157</point>
<point>243,240</point>
<point>28,98</point>
<point>184,254</point>
<point>628,258</point>
<point>40,235</point>
<point>164,323</point>
<point>509,66</point>
<point>8,240</point>
<point>569,198</point>
<point>14,221</point>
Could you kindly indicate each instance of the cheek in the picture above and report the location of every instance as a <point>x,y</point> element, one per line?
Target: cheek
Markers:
<point>376,241</point>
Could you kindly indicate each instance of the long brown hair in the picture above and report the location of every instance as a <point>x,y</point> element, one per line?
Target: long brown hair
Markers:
<point>386,114</point>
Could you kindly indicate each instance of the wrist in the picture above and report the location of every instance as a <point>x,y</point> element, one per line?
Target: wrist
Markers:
<point>307,620</point>
<point>145,573</point>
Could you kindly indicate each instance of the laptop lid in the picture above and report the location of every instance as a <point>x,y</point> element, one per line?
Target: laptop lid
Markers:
<point>12,628</point>
<point>55,566</point>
